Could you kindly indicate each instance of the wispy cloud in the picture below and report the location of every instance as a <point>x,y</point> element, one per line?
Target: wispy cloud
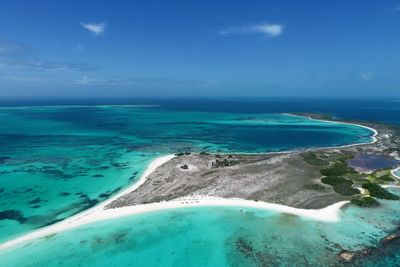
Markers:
<point>85,80</point>
<point>95,28</point>
<point>366,76</point>
<point>141,82</point>
<point>20,56</point>
<point>23,79</point>
<point>270,30</point>
<point>396,8</point>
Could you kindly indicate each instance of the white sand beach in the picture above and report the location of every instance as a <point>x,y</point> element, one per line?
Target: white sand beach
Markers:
<point>394,172</point>
<point>98,213</point>
<point>374,139</point>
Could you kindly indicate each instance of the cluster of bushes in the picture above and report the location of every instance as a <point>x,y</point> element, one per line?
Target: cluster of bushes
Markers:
<point>222,163</point>
<point>346,189</point>
<point>339,168</point>
<point>312,159</point>
<point>344,157</point>
<point>341,185</point>
<point>334,180</point>
<point>365,202</point>
<point>314,186</point>
<point>180,154</point>
<point>185,167</point>
<point>387,177</point>
<point>379,192</point>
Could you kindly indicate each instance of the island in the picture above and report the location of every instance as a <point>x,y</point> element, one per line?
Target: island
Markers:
<point>314,183</point>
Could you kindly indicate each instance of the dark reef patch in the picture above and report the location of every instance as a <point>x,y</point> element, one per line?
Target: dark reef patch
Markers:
<point>4,159</point>
<point>35,201</point>
<point>97,176</point>
<point>133,176</point>
<point>105,195</point>
<point>109,193</point>
<point>385,251</point>
<point>23,190</point>
<point>104,168</point>
<point>15,215</point>
<point>64,194</point>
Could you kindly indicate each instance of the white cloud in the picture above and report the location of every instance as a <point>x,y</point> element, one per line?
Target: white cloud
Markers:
<point>271,30</point>
<point>366,76</point>
<point>95,28</point>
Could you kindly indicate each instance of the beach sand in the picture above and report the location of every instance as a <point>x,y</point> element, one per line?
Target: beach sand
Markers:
<point>98,213</point>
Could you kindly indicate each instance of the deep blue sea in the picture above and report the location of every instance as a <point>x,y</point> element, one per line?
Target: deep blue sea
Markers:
<point>383,110</point>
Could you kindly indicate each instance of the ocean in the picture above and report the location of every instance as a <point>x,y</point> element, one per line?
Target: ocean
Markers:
<point>59,157</point>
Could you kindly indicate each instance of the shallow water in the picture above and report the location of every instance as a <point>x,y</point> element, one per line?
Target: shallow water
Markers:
<point>57,161</point>
<point>213,236</point>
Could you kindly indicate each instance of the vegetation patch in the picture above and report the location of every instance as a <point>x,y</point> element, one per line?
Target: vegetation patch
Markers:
<point>346,189</point>
<point>335,180</point>
<point>338,169</point>
<point>312,159</point>
<point>377,191</point>
<point>219,163</point>
<point>387,177</point>
<point>180,154</point>
<point>315,186</point>
<point>341,185</point>
<point>185,167</point>
<point>367,202</point>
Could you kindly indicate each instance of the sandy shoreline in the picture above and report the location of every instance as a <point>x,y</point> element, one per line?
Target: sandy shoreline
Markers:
<point>86,216</point>
<point>394,172</point>
<point>328,214</point>
<point>374,139</point>
<point>97,213</point>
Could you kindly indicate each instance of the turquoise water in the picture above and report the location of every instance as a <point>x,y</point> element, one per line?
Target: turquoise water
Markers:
<point>219,236</point>
<point>57,161</point>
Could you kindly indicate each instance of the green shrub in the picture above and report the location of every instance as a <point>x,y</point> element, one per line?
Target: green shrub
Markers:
<point>362,180</point>
<point>365,202</point>
<point>346,189</point>
<point>336,170</point>
<point>314,186</point>
<point>344,157</point>
<point>334,180</point>
<point>341,185</point>
<point>180,154</point>
<point>185,167</point>
<point>312,159</point>
<point>387,178</point>
<point>379,192</point>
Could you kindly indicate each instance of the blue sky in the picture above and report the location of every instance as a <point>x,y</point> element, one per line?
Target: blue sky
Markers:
<point>200,48</point>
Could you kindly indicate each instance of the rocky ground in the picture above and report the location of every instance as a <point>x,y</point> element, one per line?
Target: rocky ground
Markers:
<point>284,178</point>
<point>277,178</point>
